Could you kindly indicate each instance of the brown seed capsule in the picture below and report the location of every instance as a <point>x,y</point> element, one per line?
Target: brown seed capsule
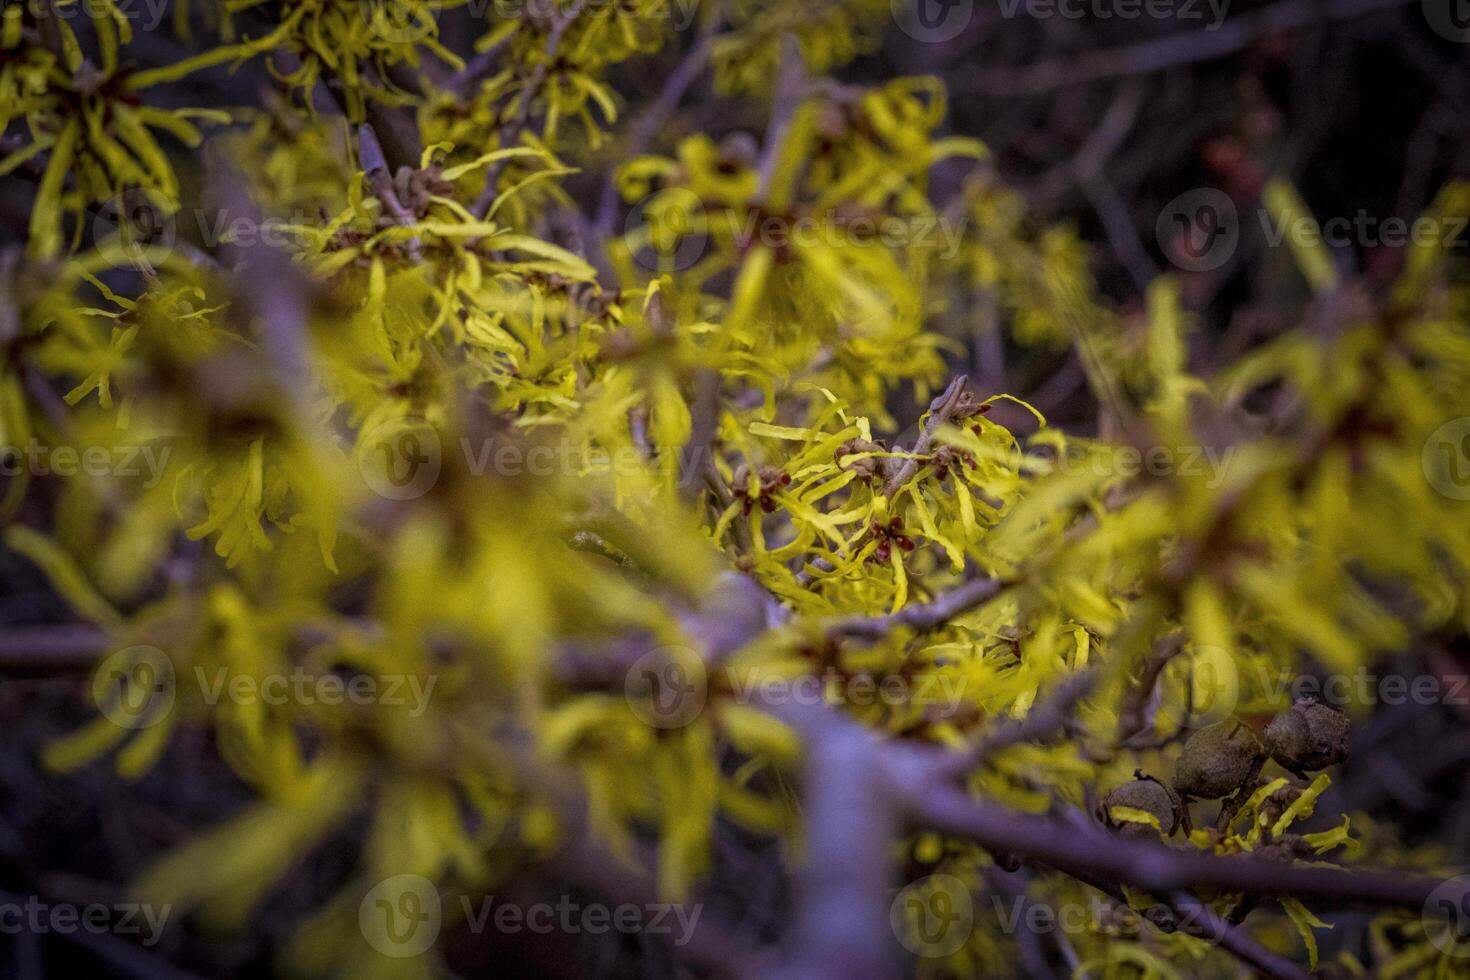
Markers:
<point>1149,795</point>
<point>1216,761</point>
<point>1308,736</point>
<point>868,468</point>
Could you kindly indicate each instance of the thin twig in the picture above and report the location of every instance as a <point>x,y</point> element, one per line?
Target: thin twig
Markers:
<point>375,166</point>
<point>789,78</point>
<point>1178,48</point>
<point>51,648</point>
<point>510,132</point>
<point>1132,717</point>
<point>1197,919</point>
<point>1157,867</point>
<point>462,81</point>
<point>920,617</point>
<point>696,459</point>
<point>1042,720</point>
<point>272,289</point>
<point>653,119</point>
<point>941,410</point>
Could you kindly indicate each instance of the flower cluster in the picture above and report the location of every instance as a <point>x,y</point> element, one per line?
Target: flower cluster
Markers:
<point>318,509</point>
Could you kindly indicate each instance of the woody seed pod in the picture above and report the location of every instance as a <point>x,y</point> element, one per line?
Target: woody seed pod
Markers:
<point>1149,795</point>
<point>1308,736</point>
<point>1217,761</point>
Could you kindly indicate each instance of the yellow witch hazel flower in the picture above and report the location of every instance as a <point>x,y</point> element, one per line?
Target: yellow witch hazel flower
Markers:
<point>828,236</point>
<point>91,122</point>
<point>1039,277</point>
<point>231,469</point>
<point>829,34</point>
<point>240,494</point>
<point>297,164</point>
<point>359,43</point>
<point>559,51</point>
<point>589,37</point>
<point>435,277</point>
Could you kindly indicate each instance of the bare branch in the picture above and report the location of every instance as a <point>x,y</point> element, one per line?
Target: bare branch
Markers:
<point>1176,48</point>
<point>375,165</point>
<point>920,617</point>
<point>941,410</point>
<point>50,648</point>
<point>462,81</point>
<point>1156,867</point>
<point>1197,919</point>
<point>789,78</point>
<point>653,119</point>
<point>510,133</point>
